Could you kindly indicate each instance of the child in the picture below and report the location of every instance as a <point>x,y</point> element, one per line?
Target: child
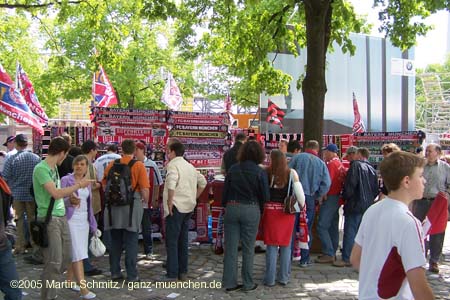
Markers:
<point>389,249</point>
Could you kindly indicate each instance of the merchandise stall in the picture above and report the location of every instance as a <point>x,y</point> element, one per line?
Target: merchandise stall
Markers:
<point>206,138</point>
<point>78,130</point>
<point>406,140</point>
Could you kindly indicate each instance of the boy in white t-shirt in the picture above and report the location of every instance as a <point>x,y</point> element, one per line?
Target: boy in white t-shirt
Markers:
<point>389,249</point>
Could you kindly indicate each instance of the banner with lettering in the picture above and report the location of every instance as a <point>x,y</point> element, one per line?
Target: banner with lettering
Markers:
<point>14,105</point>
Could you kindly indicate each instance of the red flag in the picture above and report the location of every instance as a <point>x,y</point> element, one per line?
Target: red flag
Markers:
<point>437,216</point>
<point>102,89</point>
<point>24,85</point>
<point>13,104</point>
<point>274,114</point>
<point>358,124</point>
<point>171,95</point>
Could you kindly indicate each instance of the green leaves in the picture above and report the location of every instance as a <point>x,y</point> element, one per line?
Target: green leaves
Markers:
<point>402,20</point>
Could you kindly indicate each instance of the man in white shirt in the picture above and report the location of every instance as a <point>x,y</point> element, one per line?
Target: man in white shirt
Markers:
<point>101,162</point>
<point>183,186</point>
<point>389,248</point>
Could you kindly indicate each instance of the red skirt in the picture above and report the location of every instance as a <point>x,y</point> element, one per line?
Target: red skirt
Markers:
<point>277,225</point>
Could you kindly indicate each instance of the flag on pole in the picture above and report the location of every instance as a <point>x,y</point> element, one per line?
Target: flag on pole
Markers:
<point>358,124</point>
<point>274,114</point>
<point>436,220</point>
<point>228,109</point>
<point>14,105</point>
<point>171,95</point>
<point>25,87</point>
<point>102,89</point>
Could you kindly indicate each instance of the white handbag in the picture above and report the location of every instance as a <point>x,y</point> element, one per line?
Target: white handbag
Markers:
<point>96,247</point>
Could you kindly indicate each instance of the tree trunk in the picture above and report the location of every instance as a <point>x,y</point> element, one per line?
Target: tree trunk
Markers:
<point>318,26</point>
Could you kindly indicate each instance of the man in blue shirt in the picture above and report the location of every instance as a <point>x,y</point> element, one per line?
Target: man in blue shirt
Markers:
<point>315,179</point>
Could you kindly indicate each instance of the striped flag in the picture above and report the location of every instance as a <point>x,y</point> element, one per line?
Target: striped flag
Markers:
<point>171,95</point>
<point>274,114</point>
<point>14,105</point>
<point>102,90</point>
<point>24,85</point>
<point>358,124</point>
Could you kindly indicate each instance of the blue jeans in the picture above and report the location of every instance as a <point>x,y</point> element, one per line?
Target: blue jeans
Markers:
<point>310,211</point>
<point>241,222</point>
<point>8,272</point>
<point>147,231</point>
<point>177,227</point>
<point>271,264</point>
<point>120,239</point>
<point>328,225</point>
<point>351,226</point>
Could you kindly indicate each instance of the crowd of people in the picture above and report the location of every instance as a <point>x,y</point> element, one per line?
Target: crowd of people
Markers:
<point>382,218</point>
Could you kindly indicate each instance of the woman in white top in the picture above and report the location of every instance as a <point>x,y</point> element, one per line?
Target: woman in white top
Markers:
<point>81,220</point>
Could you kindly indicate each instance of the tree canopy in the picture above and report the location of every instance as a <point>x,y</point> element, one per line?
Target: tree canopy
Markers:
<point>233,37</point>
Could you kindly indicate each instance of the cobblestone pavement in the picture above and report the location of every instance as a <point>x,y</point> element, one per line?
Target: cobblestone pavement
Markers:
<point>318,282</point>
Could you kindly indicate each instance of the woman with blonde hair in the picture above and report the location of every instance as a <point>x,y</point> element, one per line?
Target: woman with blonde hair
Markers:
<point>81,220</point>
<point>278,225</point>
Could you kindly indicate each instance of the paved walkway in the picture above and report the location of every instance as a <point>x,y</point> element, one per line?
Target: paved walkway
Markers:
<point>319,282</point>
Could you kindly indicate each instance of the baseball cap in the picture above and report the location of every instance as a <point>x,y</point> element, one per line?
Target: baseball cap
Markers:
<point>331,148</point>
<point>21,138</point>
<point>351,149</point>
<point>10,138</point>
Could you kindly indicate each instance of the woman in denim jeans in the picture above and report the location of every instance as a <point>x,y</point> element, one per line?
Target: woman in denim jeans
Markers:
<point>277,225</point>
<point>246,189</point>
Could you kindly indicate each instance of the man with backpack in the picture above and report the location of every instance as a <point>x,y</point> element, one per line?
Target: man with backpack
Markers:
<point>126,187</point>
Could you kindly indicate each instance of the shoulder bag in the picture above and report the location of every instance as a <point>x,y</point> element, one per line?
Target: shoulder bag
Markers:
<point>289,200</point>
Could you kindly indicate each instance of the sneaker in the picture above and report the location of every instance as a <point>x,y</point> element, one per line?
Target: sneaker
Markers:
<point>236,288</point>
<point>259,249</point>
<point>74,287</point>
<point>136,279</point>
<point>89,295</point>
<point>250,289</point>
<point>324,259</point>
<point>116,277</point>
<point>341,263</point>
<point>149,256</point>
<point>433,268</point>
<point>93,272</point>
<point>18,251</point>
<point>306,264</point>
